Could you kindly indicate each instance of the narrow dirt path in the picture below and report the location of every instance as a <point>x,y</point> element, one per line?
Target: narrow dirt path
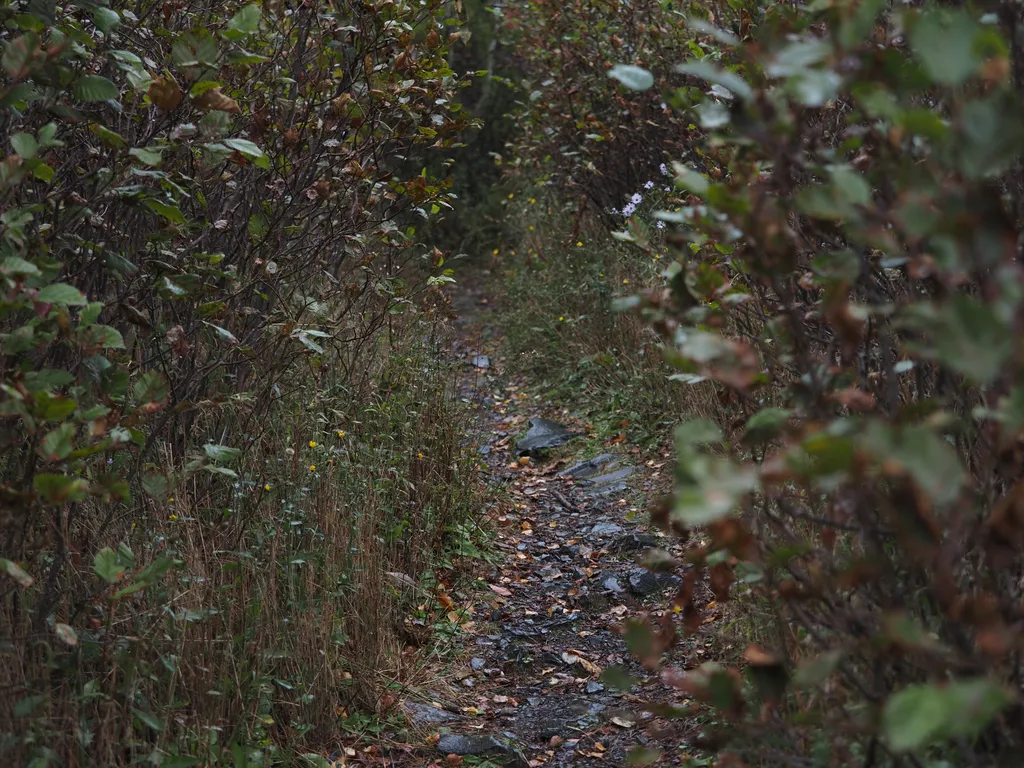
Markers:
<point>570,540</point>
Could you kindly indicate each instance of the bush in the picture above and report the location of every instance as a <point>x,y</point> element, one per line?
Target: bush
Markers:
<point>215,302</point>
<point>848,275</point>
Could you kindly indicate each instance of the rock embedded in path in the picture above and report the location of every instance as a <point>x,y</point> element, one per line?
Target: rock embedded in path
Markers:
<point>605,529</point>
<point>480,361</point>
<point>424,714</point>
<point>611,584</point>
<point>542,434</point>
<point>643,582</point>
<point>608,483</point>
<point>480,744</point>
<point>632,542</point>
<point>588,468</point>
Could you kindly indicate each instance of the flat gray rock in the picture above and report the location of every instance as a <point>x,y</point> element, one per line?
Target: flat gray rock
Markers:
<point>424,714</point>
<point>643,582</point>
<point>611,584</point>
<point>480,361</point>
<point>588,468</point>
<point>542,434</point>
<point>605,529</point>
<point>479,744</point>
<point>632,542</point>
<point>610,482</point>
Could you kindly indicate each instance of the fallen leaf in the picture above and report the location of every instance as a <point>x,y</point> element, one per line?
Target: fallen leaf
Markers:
<point>500,590</point>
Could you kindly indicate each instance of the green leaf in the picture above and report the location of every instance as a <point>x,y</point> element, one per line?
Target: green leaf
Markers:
<point>717,76</point>
<point>28,705</point>
<point>25,145</point>
<point>15,265</point>
<point>258,226</point>
<point>815,671</point>
<point>105,18</point>
<point>944,42</point>
<point>58,489</point>
<point>924,455</point>
<point>249,150</point>
<point>151,389</point>
<point>149,156</point>
<point>151,720</point>
<point>108,337</point>
<point>61,293</point>
<point>690,180</point>
<point>921,715</point>
<point>155,485</point>
<point>54,408</point>
<point>221,452</point>
<point>58,444</point>
<point>243,23</point>
<point>634,78</point>
<point>765,425</point>
<point>967,335</point>
<point>223,333</point>
<point>94,88</point>
<point>167,210</point>
<point>107,566</point>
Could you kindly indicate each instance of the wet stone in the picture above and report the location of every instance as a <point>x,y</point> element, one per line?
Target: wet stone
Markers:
<point>612,482</point>
<point>588,468</point>
<point>605,529</point>
<point>478,744</point>
<point>480,361</point>
<point>477,664</point>
<point>594,687</point>
<point>632,542</point>
<point>424,714</point>
<point>611,584</point>
<point>543,434</point>
<point>643,582</point>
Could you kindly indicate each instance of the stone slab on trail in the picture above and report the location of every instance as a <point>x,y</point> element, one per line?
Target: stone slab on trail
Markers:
<point>543,434</point>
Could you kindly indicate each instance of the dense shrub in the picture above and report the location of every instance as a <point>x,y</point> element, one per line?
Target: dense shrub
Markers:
<point>848,275</point>
<point>214,304</point>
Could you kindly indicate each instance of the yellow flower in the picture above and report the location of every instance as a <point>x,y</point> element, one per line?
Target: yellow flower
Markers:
<point>533,201</point>
<point>172,517</point>
<point>266,486</point>
<point>510,195</point>
<point>312,467</point>
<point>579,243</point>
<point>341,433</point>
<point>419,455</point>
<point>312,443</point>
<point>561,319</point>
<point>625,282</point>
<point>170,499</point>
<point>531,227</point>
<point>495,252</point>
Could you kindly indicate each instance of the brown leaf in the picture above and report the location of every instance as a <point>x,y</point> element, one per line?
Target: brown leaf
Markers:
<point>165,93</point>
<point>216,99</point>
<point>500,590</point>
